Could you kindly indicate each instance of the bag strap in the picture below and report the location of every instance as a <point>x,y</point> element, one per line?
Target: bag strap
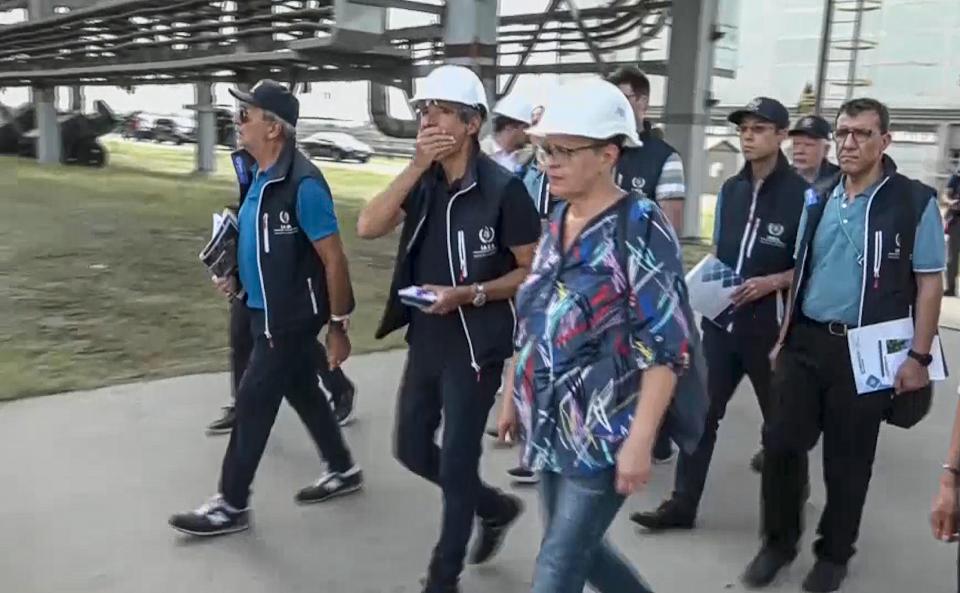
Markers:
<point>620,241</point>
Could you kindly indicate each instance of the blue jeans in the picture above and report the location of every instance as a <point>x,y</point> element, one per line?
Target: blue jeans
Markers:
<point>576,514</point>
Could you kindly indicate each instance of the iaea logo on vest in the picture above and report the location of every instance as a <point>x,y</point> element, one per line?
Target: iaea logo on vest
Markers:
<point>487,234</point>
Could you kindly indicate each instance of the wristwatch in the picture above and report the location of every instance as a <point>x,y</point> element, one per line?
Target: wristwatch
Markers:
<point>923,359</point>
<point>479,295</point>
<point>341,322</point>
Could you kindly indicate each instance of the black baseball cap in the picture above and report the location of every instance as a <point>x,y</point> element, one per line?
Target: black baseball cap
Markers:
<point>765,108</point>
<point>271,96</point>
<point>813,126</point>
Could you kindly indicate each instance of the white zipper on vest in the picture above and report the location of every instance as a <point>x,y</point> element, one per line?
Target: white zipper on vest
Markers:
<point>263,288</point>
<point>877,260</point>
<point>746,231</point>
<point>266,232</point>
<point>866,239</point>
<point>453,277</point>
<point>462,252</point>
<point>313,297</point>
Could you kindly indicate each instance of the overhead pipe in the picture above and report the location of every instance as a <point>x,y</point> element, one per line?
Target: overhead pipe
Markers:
<point>380,114</point>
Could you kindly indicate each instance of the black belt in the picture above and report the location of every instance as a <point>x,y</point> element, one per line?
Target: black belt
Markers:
<point>834,328</point>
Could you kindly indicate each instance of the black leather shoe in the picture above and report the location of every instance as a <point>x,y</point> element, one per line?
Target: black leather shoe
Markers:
<point>765,566</point>
<point>491,532</point>
<point>669,515</point>
<point>825,577</point>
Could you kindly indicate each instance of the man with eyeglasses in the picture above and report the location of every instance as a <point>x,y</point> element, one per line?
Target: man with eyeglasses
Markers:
<point>755,228</point>
<point>870,250</point>
<point>810,140</point>
<point>295,277</point>
<point>654,168</point>
<point>469,230</point>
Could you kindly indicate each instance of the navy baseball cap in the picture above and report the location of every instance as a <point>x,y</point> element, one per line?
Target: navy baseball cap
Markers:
<point>271,96</point>
<point>765,108</point>
<point>813,126</point>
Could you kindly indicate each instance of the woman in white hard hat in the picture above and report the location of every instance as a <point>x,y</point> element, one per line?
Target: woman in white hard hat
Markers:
<point>469,232</point>
<point>600,308</point>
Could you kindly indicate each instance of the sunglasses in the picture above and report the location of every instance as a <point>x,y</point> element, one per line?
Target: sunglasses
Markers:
<point>243,115</point>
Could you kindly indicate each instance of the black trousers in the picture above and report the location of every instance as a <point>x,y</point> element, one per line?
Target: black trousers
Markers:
<point>953,256</point>
<point>435,385</point>
<point>729,358</point>
<point>813,393</point>
<point>282,367</point>
<point>241,346</point>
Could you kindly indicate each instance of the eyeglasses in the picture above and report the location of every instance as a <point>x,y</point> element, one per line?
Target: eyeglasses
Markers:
<point>563,154</point>
<point>243,115</point>
<point>859,135</point>
<point>755,129</point>
<point>422,108</point>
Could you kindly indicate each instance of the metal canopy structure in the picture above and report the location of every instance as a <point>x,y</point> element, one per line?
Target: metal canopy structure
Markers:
<point>135,42</point>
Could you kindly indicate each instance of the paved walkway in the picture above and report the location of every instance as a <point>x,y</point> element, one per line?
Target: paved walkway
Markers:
<point>88,480</point>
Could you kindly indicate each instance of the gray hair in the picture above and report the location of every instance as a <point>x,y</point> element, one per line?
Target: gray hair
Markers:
<point>289,131</point>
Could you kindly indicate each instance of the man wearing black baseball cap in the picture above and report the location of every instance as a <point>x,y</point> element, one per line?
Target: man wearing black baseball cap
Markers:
<point>811,142</point>
<point>293,272</point>
<point>756,220</point>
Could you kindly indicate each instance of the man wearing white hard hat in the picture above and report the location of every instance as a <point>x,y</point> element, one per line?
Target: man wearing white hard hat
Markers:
<point>511,117</point>
<point>469,230</point>
<point>602,308</point>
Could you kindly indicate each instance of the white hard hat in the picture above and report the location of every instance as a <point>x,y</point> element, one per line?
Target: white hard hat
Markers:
<point>456,84</point>
<point>515,107</point>
<point>591,108</point>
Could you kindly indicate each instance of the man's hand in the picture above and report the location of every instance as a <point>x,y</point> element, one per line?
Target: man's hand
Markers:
<point>943,517</point>
<point>752,289</point>
<point>228,285</point>
<point>448,298</point>
<point>633,465</point>
<point>432,145</point>
<point>338,346</point>
<point>911,377</point>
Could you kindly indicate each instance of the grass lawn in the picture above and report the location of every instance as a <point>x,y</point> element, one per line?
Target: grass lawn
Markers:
<point>99,278</point>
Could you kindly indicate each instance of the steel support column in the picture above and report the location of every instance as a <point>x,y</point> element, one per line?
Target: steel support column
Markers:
<point>687,111</point>
<point>76,98</point>
<point>470,39</point>
<point>49,142</point>
<point>206,151</point>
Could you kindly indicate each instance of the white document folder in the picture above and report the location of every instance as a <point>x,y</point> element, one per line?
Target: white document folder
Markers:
<point>878,350</point>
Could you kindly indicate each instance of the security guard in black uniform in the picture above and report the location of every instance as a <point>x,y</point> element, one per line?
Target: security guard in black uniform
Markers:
<point>653,169</point>
<point>757,215</point>
<point>811,143</point>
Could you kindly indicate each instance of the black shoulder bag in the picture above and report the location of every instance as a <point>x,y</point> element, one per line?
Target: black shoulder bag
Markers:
<point>687,414</point>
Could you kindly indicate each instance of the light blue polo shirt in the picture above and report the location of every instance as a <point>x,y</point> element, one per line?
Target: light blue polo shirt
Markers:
<point>833,288</point>
<point>314,211</point>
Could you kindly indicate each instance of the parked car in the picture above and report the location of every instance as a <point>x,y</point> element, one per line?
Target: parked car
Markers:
<point>338,146</point>
<point>166,129</point>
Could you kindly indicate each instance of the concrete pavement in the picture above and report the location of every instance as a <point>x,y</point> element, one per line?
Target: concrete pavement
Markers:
<point>88,480</point>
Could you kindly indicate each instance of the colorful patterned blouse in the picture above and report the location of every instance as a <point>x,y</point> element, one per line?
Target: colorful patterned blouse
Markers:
<point>586,331</point>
